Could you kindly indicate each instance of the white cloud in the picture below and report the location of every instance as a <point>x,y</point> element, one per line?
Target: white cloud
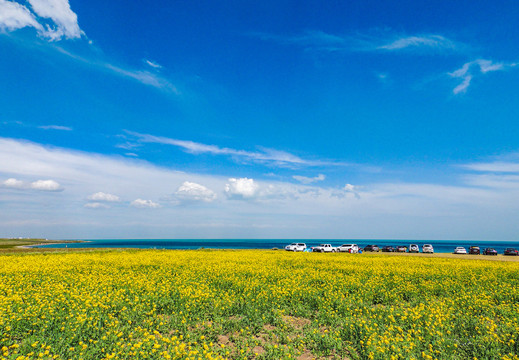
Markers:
<point>101,196</point>
<point>347,191</point>
<point>59,12</point>
<point>497,166</point>
<point>13,183</point>
<point>55,127</point>
<point>371,41</point>
<point>46,185</point>
<point>243,188</point>
<point>349,188</point>
<point>96,205</point>
<point>153,64</point>
<point>478,206</point>
<point>140,203</point>
<point>144,77</point>
<point>309,180</point>
<point>190,191</point>
<point>40,185</point>
<point>63,23</point>
<point>15,16</point>
<point>431,41</point>
<point>482,66</point>
<point>265,156</point>
<point>462,88</point>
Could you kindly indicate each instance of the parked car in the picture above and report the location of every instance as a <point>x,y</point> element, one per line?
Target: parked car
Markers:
<point>387,248</point>
<point>372,248</point>
<point>296,247</point>
<point>460,250</point>
<point>490,251</point>
<point>474,250</point>
<point>428,248</point>
<point>324,248</point>
<point>401,248</point>
<point>413,248</point>
<point>511,252</point>
<point>349,248</point>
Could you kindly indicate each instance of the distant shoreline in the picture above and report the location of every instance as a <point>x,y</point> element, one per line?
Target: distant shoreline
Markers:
<point>28,243</point>
<point>53,242</point>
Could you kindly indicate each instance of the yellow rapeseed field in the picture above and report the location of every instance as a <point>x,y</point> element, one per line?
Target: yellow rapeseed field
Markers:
<point>165,304</point>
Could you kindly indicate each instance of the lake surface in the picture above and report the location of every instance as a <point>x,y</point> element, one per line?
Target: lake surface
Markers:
<point>440,246</point>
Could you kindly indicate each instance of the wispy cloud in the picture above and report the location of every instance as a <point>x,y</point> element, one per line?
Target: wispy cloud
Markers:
<point>422,41</point>
<point>268,156</point>
<point>309,180</point>
<point>153,64</point>
<point>376,41</point>
<point>474,68</point>
<point>55,127</point>
<point>52,19</point>
<point>494,167</point>
<point>311,38</point>
<point>143,76</point>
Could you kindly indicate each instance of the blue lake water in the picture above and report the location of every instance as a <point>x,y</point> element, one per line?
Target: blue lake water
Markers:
<point>440,246</point>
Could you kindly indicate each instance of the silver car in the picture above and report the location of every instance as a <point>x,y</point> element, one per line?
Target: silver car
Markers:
<point>349,248</point>
<point>460,250</point>
<point>428,248</point>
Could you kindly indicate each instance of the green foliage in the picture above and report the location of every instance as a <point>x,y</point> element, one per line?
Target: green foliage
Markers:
<point>256,304</point>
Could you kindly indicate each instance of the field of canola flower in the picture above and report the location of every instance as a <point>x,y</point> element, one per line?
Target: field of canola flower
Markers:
<point>255,304</point>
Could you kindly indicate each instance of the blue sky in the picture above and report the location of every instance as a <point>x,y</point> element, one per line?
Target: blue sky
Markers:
<point>268,120</point>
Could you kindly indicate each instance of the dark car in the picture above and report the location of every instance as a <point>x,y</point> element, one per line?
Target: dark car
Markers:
<point>373,248</point>
<point>474,250</point>
<point>490,251</point>
<point>401,248</point>
<point>511,251</point>
<point>388,248</point>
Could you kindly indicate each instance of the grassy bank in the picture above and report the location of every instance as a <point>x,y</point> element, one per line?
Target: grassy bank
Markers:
<point>256,304</point>
<point>10,244</point>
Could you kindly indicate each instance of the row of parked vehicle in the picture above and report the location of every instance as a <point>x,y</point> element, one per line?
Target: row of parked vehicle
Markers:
<point>354,248</point>
<point>475,250</point>
<point>413,248</point>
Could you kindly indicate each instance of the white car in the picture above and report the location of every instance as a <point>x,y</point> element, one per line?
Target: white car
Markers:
<point>349,248</point>
<point>428,248</point>
<point>324,248</point>
<point>413,248</point>
<point>460,250</point>
<point>296,247</point>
